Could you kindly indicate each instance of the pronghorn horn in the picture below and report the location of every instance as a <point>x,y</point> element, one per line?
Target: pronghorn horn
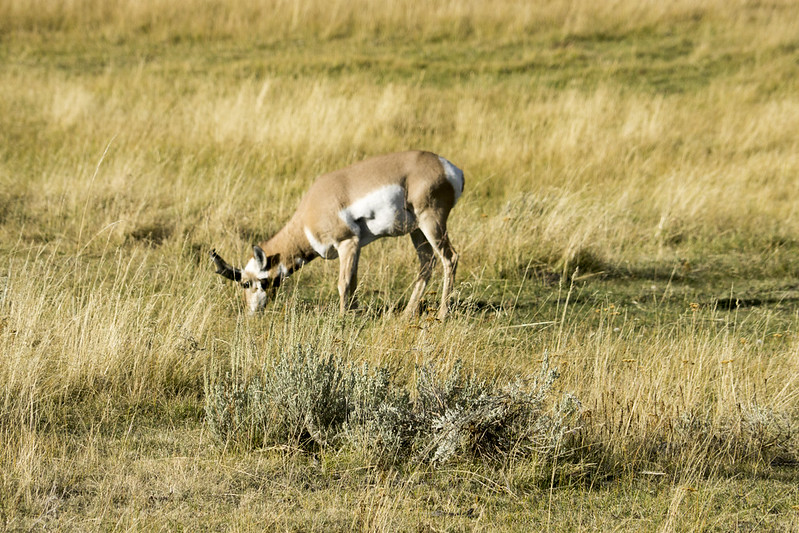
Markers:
<point>224,269</point>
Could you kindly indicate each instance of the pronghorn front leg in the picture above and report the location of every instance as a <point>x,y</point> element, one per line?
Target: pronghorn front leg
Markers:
<point>425,253</point>
<point>435,231</point>
<point>349,252</point>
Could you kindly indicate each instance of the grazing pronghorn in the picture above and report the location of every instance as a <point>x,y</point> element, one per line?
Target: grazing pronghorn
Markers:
<point>343,211</point>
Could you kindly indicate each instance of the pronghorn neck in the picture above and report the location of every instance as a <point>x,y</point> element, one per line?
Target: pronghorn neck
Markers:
<point>292,248</point>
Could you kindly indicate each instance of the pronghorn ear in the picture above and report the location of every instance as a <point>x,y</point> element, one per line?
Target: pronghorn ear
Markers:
<point>224,269</point>
<point>264,262</point>
<point>260,256</point>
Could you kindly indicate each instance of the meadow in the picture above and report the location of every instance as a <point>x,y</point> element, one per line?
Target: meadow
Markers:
<point>630,219</point>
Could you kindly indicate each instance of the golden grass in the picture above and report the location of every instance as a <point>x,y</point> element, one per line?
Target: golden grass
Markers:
<point>177,127</point>
<point>282,19</point>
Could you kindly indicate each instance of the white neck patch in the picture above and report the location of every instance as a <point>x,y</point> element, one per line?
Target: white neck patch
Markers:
<point>321,249</point>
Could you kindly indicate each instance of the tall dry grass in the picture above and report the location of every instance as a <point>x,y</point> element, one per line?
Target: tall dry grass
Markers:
<point>280,19</point>
<point>123,161</point>
<point>556,172</point>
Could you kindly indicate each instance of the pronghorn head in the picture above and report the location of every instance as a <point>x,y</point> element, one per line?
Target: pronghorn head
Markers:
<point>259,278</point>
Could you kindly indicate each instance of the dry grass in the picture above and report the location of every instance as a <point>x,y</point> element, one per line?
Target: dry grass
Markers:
<point>631,172</point>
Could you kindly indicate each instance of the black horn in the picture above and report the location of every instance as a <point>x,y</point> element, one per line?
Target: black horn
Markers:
<point>224,269</point>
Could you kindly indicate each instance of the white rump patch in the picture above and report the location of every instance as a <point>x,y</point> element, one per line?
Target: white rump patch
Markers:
<point>454,176</point>
<point>381,213</point>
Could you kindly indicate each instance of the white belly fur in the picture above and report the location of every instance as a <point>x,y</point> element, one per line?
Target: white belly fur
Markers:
<point>381,213</point>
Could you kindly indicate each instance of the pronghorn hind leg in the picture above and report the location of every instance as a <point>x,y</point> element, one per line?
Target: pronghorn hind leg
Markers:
<point>349,252</point>
<point>425,254</point>
<point>435,230</point>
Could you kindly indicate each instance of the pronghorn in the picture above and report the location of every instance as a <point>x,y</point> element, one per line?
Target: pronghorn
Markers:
<point>385,196</point>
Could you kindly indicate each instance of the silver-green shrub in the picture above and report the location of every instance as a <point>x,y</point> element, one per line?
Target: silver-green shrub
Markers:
<point>315,400</point>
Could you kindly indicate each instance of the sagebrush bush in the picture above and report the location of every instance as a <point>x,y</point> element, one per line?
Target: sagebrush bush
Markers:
<point>481,419</point>
<point>319,400</point>
<point>302,398</point>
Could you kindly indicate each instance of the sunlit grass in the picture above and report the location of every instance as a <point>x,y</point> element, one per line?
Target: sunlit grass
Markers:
<point>629,212</point>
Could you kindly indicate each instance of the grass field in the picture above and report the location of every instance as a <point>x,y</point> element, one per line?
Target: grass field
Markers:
<point>631,216</point>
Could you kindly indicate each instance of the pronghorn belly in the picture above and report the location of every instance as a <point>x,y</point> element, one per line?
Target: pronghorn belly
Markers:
<point>381,213</point>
